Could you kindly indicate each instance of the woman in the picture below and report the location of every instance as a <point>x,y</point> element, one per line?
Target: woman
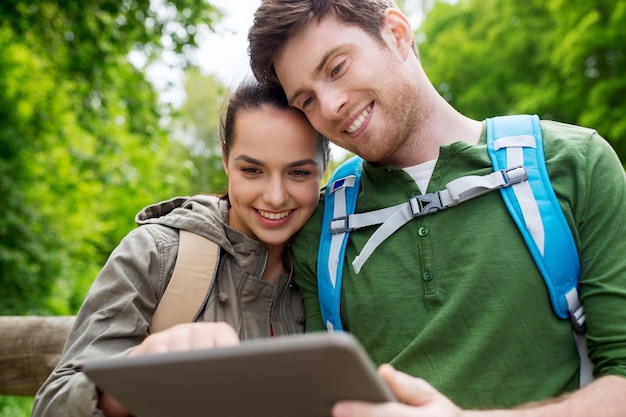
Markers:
<point>274,161</point>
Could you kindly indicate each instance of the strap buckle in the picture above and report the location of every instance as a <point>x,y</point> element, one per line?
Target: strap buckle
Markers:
<point>422,205</point>
<point>514,175</point>
<point>577,318</point>
<point>340,225</point>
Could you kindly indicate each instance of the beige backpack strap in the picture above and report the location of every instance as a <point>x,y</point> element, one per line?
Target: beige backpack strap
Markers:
<point>190,283</point>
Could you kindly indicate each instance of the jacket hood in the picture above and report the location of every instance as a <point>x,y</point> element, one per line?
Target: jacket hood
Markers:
<point>205,215</point>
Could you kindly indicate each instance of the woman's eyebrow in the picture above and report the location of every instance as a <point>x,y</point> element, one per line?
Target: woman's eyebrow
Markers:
<point>298,163</point>
<point>249,159</point>
<point>301,163</point>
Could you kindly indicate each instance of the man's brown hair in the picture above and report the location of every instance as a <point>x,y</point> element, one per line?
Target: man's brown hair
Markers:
<point>277,21</point>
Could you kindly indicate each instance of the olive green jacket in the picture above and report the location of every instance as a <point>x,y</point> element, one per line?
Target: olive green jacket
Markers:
<point>118,309</point>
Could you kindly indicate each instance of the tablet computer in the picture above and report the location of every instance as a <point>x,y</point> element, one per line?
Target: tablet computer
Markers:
<point>299,375</point>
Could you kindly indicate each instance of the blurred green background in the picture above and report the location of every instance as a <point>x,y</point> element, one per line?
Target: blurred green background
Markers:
<point>85,141</point>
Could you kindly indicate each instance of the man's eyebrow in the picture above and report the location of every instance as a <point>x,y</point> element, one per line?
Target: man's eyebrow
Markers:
<point>317,70</point>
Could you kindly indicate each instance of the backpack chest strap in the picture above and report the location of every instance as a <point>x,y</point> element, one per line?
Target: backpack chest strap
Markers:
<point>392,218</point>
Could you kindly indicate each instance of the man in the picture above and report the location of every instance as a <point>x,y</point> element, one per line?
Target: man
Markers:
<point>455,297</point>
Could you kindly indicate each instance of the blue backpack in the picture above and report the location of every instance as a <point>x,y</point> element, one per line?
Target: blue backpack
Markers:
<point>515,146</point>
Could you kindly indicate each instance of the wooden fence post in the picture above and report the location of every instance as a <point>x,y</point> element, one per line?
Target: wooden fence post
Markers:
<point>30,347</point>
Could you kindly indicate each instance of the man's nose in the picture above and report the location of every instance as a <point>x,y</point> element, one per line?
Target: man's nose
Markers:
<point>331,101</point>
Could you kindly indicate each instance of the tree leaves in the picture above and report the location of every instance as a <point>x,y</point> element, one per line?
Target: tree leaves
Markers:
<point>82,148</point>
<point>563,60</point>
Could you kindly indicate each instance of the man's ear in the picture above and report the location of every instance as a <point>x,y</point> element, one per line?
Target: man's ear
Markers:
<point>396,30</point>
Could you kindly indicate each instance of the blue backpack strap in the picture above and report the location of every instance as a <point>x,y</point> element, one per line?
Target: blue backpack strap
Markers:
<point>340,200</point>
<point>517,140</point>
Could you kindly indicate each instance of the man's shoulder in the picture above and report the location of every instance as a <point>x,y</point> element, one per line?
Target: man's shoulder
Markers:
<point>563,141</point>
<point>308,236</point>
<point>559,131</point>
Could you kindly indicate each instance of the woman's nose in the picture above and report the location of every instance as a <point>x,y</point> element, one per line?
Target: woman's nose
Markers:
<point>276,194</point>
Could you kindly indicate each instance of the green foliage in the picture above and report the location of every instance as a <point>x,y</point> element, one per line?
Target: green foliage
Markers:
<point>23,105</point>
<point>196,124</point>
<point>15,406</point>
<point>563,60</point>
<point>81,148</point>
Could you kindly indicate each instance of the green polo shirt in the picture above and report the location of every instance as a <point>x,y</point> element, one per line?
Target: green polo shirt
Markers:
<point>455,297</point>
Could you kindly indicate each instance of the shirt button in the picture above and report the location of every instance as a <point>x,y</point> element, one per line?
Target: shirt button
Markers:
<point>423,231</point>
<point>428,276</point>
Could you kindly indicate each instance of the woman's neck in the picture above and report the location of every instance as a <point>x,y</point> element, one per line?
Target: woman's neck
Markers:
<point>275,264</point>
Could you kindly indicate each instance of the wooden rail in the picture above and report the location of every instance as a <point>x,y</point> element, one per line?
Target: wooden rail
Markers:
<point>30,347</point>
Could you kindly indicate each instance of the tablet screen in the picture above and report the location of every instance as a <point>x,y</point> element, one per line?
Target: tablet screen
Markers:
<point>299,376</point>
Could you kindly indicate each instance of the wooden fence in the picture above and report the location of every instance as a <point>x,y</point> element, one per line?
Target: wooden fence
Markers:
<point>30,347</point>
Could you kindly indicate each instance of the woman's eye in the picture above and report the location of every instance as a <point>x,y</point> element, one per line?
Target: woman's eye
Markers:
<point>300,173</point>
<point>250,170</point>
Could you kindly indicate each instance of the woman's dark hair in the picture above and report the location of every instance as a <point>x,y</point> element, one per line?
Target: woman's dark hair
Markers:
<point>250,95</point>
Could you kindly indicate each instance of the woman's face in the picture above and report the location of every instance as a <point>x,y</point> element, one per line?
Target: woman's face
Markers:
<point>274,167</point>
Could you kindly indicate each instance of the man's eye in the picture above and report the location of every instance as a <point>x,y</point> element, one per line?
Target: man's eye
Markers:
<point>308,102</point>
<point>337,69</point>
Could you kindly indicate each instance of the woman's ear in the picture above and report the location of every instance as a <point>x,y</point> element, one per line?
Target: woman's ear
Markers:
<point>327,159</point>
<point>225,158</point>
<point>396,30</point>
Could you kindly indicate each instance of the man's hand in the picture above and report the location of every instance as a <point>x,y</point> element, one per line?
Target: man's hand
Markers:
<point>605,396</point>
<point>416,398</point>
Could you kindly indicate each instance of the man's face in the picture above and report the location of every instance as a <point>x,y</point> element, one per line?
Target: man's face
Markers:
<point>352,88</point>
